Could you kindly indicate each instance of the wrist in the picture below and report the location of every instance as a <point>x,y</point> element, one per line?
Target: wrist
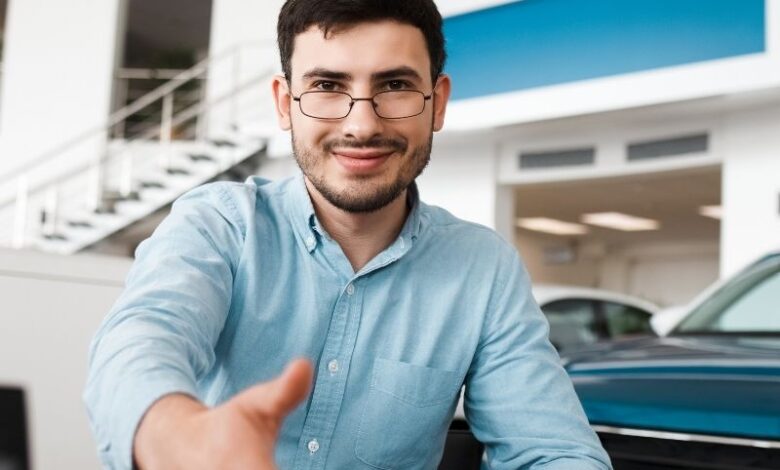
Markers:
<point>162,428</point>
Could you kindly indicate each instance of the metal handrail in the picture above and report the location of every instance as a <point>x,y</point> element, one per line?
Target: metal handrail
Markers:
<point>148,74</point>
<point>184,116</point>
<point>127,111</point>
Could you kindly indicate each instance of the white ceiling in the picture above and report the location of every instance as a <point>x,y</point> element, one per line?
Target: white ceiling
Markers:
<point>673,198</point>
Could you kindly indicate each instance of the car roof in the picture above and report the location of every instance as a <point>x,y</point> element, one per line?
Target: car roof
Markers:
<point>545,293</point>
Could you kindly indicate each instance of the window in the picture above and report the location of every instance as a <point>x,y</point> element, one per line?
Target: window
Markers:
<point>750,303</point>
<point>573,323</point>
<point>623,320</point>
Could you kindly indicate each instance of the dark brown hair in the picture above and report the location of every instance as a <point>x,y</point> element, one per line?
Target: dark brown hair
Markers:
<point>331,16</point>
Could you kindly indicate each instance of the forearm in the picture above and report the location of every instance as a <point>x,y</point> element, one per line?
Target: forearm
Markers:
<point>159,427</point>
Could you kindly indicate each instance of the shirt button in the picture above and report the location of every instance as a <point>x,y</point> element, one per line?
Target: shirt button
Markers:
<point>313,446</point>
<point>310,240</point>
<point>333,366</point>
<point>350,289</point>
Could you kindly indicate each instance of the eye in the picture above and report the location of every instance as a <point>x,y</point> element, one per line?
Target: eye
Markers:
<point>398,85</point>
<point>324,85</point>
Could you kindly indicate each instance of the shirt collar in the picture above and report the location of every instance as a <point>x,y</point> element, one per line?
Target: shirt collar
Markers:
<point>307,227</point>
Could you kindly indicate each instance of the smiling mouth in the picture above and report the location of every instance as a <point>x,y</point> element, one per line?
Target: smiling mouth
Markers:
<point>361,160</point>
<point>362,154</point>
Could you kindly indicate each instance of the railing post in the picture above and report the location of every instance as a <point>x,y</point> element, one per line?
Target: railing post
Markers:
<point>166,129</point>
<point>51,208</point>
<point>126,175</point>
<point>124,91</point>
<point>95,195</point>
<point>236,84</point>
<point>20,213</point>
<point>201,118</point>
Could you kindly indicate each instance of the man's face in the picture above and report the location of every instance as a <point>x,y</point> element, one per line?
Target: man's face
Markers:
<point>362,162</point>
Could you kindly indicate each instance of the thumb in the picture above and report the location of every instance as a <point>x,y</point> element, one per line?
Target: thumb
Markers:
<point>280,396</point>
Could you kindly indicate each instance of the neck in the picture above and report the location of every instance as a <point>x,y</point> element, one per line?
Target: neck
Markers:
<point>361,236</point>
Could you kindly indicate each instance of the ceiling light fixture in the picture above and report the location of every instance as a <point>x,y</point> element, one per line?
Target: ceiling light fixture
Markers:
<point>553,226</point>
<point>620,221</point>
<point>713,212</point>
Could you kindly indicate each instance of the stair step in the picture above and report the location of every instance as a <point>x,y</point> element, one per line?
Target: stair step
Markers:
<point>106,210</point>
<point>223,143</point>
<point>152,185</point>
<point>173,171</point>
<point>115,196</point>
<point>79,224</point>
<point>55,237</point>
<point>200,157</point>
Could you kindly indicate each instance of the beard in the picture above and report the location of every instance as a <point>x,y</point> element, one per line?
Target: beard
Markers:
<point>363,194</point>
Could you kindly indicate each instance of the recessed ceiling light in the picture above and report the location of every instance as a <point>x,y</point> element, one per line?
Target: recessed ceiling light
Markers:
<point>553,226</point>
<point>619,221</point>
<point>713,212</point>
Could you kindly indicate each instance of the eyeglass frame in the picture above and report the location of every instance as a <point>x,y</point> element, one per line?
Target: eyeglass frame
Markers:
<point>354,100</point>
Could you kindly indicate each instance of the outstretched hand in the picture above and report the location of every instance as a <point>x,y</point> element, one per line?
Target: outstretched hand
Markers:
<point>179,432</point>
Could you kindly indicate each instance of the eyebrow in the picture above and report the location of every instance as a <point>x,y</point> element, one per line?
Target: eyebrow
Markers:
<point>327,74</point>
<point>398,72</point>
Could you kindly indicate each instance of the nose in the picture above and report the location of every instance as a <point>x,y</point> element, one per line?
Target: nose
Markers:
<point>362,123</point>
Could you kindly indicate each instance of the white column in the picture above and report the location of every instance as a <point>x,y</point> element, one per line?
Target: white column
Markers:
<point>462,179</point>
<point>58,70</point>
<point>249,25</point>
<point>751,187</point>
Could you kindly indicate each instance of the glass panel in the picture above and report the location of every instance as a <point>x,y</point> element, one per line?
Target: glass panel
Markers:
<point>750,303</point>
<point>625,320</point>
<point>572,323</point>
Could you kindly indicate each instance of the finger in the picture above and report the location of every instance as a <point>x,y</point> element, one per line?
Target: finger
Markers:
<point>292,387</point>
<point>280,396</point>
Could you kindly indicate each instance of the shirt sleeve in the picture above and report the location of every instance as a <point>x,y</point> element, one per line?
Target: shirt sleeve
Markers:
<point>159,337</point>
<point>519,401</point>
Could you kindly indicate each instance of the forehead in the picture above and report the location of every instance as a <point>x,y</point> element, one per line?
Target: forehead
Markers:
<point>361,49</point>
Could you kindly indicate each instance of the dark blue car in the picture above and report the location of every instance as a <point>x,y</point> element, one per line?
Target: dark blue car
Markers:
<point>705,397</point>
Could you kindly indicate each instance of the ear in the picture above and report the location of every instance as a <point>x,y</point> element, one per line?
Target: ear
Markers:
<point>282,101</point>
<point>441,96</point>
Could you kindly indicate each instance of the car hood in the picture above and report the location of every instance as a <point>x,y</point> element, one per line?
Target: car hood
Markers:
<point>705,385</point>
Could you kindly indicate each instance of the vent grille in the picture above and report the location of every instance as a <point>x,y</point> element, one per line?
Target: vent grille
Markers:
<point>557,159</point>
<point>698,143</point>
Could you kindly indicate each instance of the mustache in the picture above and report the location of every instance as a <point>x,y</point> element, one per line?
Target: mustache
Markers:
<point>397,145</point>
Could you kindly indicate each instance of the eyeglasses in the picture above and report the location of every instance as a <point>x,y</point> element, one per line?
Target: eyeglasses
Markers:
<point>393,104</point>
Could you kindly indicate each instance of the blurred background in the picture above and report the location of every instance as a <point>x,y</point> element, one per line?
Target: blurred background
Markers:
<point>630,150</point>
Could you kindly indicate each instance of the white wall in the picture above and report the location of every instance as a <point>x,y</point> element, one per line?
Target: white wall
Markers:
<point>666,273</point>
<point>670,273</point>
<point>57,75</point>
<point>751,187</point>
<point>462,179</point>
<point>51,307</point>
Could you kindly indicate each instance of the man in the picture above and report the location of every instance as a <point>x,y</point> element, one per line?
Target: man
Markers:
<point>396,304</point>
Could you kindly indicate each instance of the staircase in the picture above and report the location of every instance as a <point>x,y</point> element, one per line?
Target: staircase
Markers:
<point>64,201</point>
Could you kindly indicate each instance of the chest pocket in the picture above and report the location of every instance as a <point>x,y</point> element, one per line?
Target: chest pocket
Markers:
<point>404,423</point>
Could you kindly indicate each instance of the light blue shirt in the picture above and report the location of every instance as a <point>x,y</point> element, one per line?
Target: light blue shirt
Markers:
<point>241,278</point>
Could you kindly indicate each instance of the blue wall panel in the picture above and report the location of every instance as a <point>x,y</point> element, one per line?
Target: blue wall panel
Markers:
<point>535,43</point>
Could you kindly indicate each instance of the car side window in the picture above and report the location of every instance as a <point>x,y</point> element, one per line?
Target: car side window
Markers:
<point>573,323</point>
<point>625,320</point>
<point>755,311</point>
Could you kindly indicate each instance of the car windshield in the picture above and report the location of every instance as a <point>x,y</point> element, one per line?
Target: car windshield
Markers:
<point>748,304</point>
